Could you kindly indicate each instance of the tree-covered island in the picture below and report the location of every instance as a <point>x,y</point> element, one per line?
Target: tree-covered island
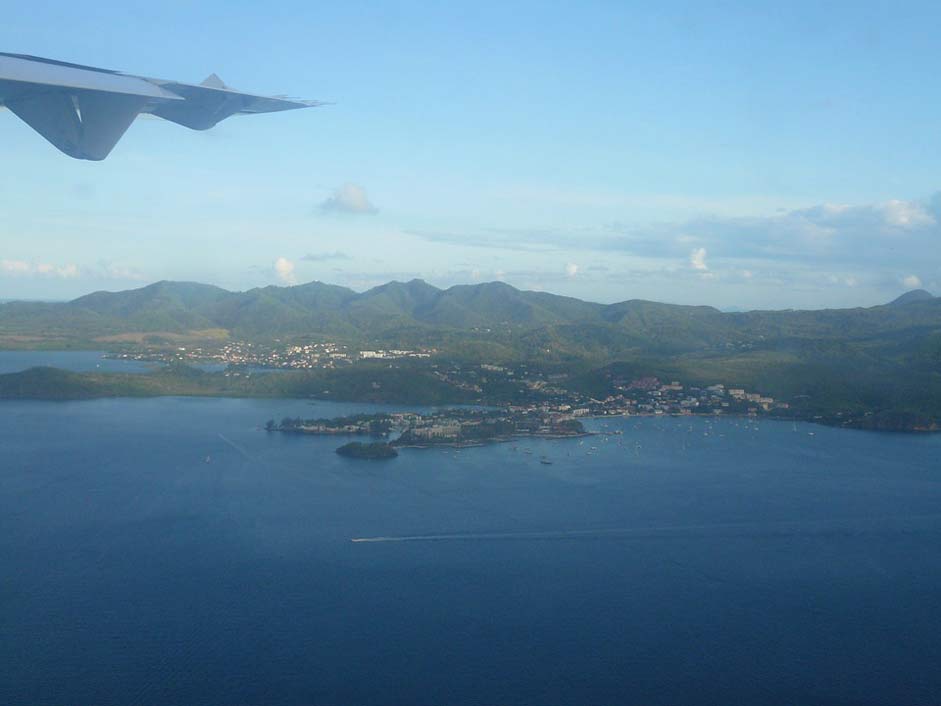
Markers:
<point>374,451</point>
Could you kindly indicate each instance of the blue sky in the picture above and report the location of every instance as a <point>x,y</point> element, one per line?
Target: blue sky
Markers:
<point>734,154</point>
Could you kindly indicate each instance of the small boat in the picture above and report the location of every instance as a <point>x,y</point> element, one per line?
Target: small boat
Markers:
<point>208,459</point>
<point>545,461</point>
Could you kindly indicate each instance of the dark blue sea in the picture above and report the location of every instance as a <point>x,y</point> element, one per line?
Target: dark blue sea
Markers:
<point>168,551</point>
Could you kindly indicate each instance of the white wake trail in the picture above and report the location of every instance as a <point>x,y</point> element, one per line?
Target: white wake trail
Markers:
<point>858,525</point>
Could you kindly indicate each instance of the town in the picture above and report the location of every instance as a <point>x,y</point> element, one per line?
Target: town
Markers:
<point>295,356</point>
<point>560,419</point>
<point>648,395</point>
<point>448,427</point>
<point>551,392</point>
<point>521,387</point>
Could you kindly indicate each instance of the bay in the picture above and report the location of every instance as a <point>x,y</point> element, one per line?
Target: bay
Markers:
<point>168,551</point>
<point>75,361</point>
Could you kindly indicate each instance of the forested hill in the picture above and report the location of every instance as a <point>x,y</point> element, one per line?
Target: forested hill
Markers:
<point>415,309</point>
<point>862,360</point>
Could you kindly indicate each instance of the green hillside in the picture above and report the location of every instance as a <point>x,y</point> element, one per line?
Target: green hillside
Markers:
<point>401,309</point>
<point>885,356</point>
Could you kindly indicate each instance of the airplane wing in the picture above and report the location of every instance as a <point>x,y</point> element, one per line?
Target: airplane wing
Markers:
<point>84,110</point>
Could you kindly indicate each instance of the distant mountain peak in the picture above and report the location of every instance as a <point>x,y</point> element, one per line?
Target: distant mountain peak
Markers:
<point>916,295</point>
<point>413,286</point>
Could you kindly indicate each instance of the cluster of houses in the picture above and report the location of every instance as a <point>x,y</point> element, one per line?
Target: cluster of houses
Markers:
<point>308,356</point>
<point>395,353</point>
<point>445,426</point>
<point>650,396</point>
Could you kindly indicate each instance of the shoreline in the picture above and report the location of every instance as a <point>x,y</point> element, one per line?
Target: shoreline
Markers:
<point>59,385</point>
<point>917,431</point>
<point>495,440</point>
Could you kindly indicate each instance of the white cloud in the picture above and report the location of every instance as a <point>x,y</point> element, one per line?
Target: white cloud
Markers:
<point>349,198</point>
<point>894,232</point>
<point>571,269</point>
<point>912,281</point>
<point>906,214</point>
<point>284,269</point>
<point>42,269</point>
<point>15,266</point>
<point>697,258</point>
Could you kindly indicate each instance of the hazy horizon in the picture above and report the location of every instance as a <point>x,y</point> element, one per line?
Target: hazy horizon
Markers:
<point>775,159</point>
<point>730,309</point>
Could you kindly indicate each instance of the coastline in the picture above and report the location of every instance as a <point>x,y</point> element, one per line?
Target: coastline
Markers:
<point>57,384</point>
<point>495,440</point>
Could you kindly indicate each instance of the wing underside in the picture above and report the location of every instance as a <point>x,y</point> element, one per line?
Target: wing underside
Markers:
<point>84,111</point>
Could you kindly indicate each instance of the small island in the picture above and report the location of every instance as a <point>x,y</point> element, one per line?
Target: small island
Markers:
<point>374,451</point>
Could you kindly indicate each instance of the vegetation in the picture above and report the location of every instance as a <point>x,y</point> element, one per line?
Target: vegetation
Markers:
<point>868,363</point>
<point>410,385</point>
<point>375,424</point>
<point>487,319</point>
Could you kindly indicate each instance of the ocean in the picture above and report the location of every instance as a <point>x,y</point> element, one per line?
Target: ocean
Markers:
<point>169,551</point>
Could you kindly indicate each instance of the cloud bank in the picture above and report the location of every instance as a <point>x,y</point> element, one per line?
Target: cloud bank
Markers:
<point>42,269</point>
<point>895,241</point>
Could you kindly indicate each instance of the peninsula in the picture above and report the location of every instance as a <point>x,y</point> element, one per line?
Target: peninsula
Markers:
<point>456,427</point>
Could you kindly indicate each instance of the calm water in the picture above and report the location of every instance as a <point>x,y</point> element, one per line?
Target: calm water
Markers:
<point>753,565</point>
<point>91,361</point>
<point>76,361</point>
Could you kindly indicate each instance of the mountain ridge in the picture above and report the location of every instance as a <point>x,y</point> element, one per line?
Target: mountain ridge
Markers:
<point>400,312</point>
<point>862,359</point>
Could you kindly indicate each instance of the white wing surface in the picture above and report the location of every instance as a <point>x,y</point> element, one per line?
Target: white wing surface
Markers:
<point>84,111</point>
